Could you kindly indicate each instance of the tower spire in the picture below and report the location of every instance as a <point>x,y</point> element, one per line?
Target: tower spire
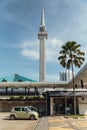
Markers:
<point>42,18</point>
<point>42,26</point>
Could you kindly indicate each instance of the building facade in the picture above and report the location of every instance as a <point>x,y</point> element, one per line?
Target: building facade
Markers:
<point>65,75</point>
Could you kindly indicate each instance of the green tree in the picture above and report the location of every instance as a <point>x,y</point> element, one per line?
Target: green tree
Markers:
<point>70,56</point>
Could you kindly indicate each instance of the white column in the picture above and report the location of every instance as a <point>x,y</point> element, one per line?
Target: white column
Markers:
<point>42,36</point>
<point>51,106</point>
<point>42,67</point>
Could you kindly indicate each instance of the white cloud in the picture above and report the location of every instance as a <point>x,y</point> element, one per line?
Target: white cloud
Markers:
<point>55,42</point>
<point>33,55</point>
<point>52,49</point>
<point>33,43</point>
<point>31,49</point>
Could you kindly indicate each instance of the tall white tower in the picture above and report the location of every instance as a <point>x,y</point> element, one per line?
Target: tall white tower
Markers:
<point>42,36</point>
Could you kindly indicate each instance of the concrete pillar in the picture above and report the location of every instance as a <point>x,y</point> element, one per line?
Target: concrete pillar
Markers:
<point>51,106</point>
<point>47,104</point>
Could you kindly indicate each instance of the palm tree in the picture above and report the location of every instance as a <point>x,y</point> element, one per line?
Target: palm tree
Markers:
<point>71,56</point>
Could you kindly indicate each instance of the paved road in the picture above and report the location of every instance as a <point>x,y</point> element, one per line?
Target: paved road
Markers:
<point>7,124</point>
<point>44,123</point>
<point>60,123</point>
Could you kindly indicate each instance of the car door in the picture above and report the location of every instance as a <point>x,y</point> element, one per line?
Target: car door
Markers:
<point>25,113</point>
<point>18,112</point>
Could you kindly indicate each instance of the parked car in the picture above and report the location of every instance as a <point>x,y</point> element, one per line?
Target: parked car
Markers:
<point>35,109</point>
<point>23,113</point>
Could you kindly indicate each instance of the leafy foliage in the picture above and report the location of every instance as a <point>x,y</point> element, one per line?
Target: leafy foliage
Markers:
<point>71,54</point>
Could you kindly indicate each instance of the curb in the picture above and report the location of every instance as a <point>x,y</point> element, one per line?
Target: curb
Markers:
<point>36,124</point>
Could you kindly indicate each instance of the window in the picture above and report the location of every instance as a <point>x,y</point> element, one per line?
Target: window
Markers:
<point>20,80</point>
<point>4,80</point>
<point>17,109</point>
<point>24,109</point>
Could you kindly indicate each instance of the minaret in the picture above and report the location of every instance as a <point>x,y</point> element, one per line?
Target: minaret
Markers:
<point>42,36</point>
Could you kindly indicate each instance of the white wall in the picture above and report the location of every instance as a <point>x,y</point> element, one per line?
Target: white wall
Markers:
<point>82,106</point>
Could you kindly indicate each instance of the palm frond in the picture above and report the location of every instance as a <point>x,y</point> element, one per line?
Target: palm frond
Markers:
<point>70,53</point>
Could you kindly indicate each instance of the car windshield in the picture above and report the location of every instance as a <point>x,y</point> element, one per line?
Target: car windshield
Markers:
<point>28,109</point>
<point>32,108</point>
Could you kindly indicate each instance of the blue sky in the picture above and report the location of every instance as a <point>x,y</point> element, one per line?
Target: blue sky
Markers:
<point>66,20</point>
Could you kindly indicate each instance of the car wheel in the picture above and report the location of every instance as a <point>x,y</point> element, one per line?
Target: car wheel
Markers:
<point>12,117</point>
<point>32,117</point>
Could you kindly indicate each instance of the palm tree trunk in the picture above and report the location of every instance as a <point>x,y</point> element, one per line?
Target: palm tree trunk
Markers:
<point>74,98</point>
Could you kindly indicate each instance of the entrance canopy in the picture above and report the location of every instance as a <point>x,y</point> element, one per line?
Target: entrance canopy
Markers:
<point>34,84</point>
<point>67,94</point>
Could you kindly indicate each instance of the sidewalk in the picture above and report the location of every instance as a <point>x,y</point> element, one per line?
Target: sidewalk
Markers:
<point>42,124</point>
<point>61,123</point>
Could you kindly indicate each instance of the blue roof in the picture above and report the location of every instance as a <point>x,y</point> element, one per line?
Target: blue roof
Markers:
<point>15,78</point>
